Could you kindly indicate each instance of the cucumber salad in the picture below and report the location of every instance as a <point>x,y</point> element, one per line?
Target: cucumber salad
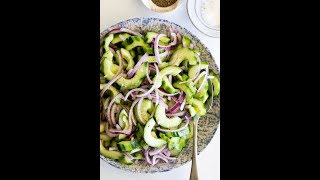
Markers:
<point>151,87</point>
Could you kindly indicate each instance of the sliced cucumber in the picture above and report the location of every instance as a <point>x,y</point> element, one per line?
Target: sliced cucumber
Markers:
<point>176,144</point>
<point>105,137</point>
<point>110,154</point>
<point>184,87</point>
<point>174,141</point>
<point>170,70</point>
<point>190,135</point>
<point>145,111</point>
<point>166,85</point>
<point>183,54</point>
<point>134,41</point>
<point>107,41</point>
<point>149,139</point>
<point>108,68</point>
<point>186,41</point>
<point>125,160</point>
<point>127,145</point>
<point>197,52</point>
<point>204,89</point>
<point>139,148</point>
<point>102,126</point>
<point>127,56</point>
<point>114,144</point>
<point>204,98</point>
<point>117,39</point>
<point>199,107</point>
<point>163,120</point>
<point>181,133</point>
<point>192,111</point>
<point>139,132</point>
<point>112,92</point>
<point>107,143</point>
<point>216,84</point>
<point>195,68</point>
<point>134,82</point>
<point>150,36</point>
<point>124,117</point>
<point>138,156</point>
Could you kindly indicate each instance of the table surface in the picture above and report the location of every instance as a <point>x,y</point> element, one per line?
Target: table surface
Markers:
<point>114,11</point>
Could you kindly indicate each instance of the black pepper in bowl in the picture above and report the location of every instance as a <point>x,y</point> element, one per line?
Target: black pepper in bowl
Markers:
<point>164,3</point>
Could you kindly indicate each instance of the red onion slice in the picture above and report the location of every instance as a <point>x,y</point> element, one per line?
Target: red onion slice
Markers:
<point>166,94</point>
<point>110,83</point>
<point>145,87</point>
<point>130,157</point>
<point>184,44</point>
<point>182,113</point>
<point>174,108</point>
<point>118,127</point>
<point>113,121</point>
<point>187,116</point>
<point>113,31</point>
<point>130,32</point>
<point>125,131</point>
<point>157,97</point>
<point>175,99</point>
<point>197,73</point>
<point>148,77</point>
<point>120,30</point>
<point>113,149</point>
<point>139,109</point>
<point>191,46</point>
<point>157,150</point>
<point>181,97</point>
<point>158,157</point>
<point>133,90</point>
<point>204,80</point>
<point>122,37</point>
<point>174,42</point>
<point>142,59</point>
<point>156,162</point>
<point>179,38</point>
<point>110,104</point>
<point>199,77</point>
<point>166,152</point>
<point>110,134</point>
<point>153,86</point>
<point>156,48</point>
<point>174,130</point>
<point>146,157</point>
<point>113,46</point>
<point>164,54</point>
<point>131,111</point>
<point>183,104</point>
<point>167,157</point>
<point>112,50</point>
<point>106,103</point>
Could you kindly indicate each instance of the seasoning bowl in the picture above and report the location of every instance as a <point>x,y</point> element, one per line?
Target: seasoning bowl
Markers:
<point>152,6</point>
<point>194,8</point>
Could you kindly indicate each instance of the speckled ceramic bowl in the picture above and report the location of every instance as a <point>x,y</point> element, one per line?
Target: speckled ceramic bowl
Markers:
<point>207,125</point>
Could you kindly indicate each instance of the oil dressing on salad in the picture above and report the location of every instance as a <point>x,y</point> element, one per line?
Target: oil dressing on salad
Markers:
<point>151,86</point>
